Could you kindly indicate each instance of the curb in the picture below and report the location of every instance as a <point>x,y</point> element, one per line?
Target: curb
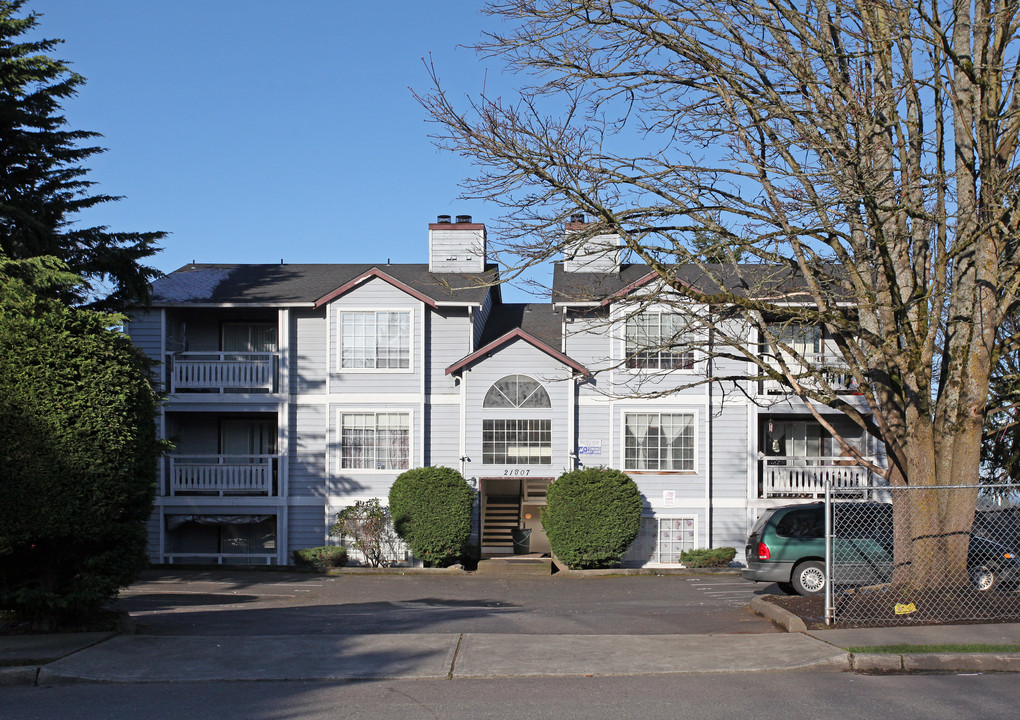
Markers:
<point>935,662</point>
<point>661,572</point>
<point>18,676</point>
<point>775,614</point>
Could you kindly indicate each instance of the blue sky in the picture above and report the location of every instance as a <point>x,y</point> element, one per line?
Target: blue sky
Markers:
<point>253,130</point>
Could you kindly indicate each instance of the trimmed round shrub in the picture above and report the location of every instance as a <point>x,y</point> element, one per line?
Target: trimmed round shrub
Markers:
<point>431,511</point>
<point>592,517</point>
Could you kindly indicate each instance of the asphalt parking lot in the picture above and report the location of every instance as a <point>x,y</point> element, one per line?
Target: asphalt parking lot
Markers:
<point>252,602</point>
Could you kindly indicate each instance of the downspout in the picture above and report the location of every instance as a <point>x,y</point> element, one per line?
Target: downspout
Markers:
<point>711,426</point>
<point>423,370</point>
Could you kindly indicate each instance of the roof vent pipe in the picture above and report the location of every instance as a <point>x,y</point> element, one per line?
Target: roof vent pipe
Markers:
<point>443,219</point>
<point>463,218</point>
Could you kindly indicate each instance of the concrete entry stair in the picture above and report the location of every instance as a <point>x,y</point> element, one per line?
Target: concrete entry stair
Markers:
<point>516,565</point>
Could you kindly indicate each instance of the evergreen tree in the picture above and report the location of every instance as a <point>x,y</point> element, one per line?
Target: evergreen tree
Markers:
<point>42,182</point>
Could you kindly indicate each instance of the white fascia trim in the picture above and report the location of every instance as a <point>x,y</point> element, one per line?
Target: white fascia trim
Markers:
<point>185,306</point>
<point>374,398</point>
<point>451,303</point>
<point>443,399</point>
<point>732,503</point>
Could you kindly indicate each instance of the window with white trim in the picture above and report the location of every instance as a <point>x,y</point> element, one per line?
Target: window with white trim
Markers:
<point>375,340</point>
<point>516,391</point>
<point>517,442</point>
<point>674,536</point>
<point>375,441</point>
<point>659,441</point>
<point>657,341</point>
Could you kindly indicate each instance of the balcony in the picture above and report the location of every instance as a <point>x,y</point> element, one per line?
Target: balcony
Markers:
<point>223,372</point>
<point>833,369</point>
<point>806,476</point>
<point>223,474</point>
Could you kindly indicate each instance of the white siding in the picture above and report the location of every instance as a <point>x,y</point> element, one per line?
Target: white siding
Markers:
<point>308,528</point>
<point>308,359</point>
<point>307,457</point>
<point>373,295</point>
<point>518,357</point>
<point>453,250</point>
<point>448,336</point>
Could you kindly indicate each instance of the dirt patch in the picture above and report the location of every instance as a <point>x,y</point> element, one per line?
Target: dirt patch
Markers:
<point>886,606</point>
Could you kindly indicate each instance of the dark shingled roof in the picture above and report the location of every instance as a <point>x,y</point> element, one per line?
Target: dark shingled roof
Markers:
<point>537,319</point>
<point>305,283</point>
<point>742,279</point>
<point>534,323</point>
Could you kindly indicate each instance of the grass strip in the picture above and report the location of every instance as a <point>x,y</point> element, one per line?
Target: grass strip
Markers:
<point>962,648</point>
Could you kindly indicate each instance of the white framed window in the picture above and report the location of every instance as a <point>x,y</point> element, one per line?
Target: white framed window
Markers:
<point>517,442</point>
<point>664,441</point>
<point>375,340</point>
<point>375,440</point>
<point>804,340</point>
<point>657,341</point>
<point>516,391</point>
<point>675,535</point>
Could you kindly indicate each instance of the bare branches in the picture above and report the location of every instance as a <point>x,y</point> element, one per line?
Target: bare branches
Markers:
<point>866,150</point>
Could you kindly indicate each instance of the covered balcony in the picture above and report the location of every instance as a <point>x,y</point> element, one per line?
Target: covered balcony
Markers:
<point>229,351</point>
<point>222,454</point>
<point>798,457</point>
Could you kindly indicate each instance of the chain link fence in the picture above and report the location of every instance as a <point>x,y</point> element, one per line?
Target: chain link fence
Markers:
<point>917,555</point>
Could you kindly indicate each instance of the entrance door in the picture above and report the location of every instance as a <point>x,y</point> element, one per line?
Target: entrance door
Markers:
<point>513,504</point>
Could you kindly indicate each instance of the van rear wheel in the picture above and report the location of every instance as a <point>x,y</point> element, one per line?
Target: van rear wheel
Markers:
<point>786,588</point>
<point>809,578</point>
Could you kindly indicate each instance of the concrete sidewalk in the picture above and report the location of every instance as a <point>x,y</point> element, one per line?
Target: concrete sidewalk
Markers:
<point>140,658</point>
<point>61,659</point>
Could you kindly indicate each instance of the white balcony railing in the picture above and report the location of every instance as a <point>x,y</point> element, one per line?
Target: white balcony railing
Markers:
<point>833,369</point>
<point>806,476</point>
<point>223,371</point>
<point>221,558</point>
<point>222,474</point>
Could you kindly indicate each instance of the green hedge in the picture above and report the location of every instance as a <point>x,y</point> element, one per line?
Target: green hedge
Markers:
<point>431,511</point>
<point>716,557</point>
<point>321,558</point>
<point>78,453</point>
<point>592,517</point>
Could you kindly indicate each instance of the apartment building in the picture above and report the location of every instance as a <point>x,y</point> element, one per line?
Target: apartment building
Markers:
<point>296,390</point>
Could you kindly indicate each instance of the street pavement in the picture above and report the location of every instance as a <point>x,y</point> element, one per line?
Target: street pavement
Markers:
<point>190,628</point>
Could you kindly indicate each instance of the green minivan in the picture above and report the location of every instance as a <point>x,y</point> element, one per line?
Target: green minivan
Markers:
<point>787,546</point>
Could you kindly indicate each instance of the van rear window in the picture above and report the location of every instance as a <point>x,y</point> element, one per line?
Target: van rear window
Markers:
<point>808,523</point>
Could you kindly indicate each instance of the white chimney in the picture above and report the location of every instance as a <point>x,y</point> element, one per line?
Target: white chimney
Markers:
<point>456,247</point>
<point>598,254</point>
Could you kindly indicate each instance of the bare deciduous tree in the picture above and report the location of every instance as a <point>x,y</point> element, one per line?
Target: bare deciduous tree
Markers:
<point>863,151</point>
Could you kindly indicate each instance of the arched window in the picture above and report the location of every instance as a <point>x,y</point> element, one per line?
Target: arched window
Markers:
<point>516,391</point>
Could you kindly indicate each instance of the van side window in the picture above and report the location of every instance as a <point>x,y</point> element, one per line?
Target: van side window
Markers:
<point>807,523</point>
